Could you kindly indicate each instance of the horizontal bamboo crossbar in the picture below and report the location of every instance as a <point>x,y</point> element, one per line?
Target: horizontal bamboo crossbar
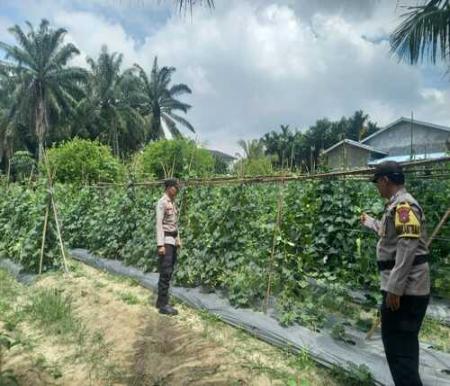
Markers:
<point>363,173</point>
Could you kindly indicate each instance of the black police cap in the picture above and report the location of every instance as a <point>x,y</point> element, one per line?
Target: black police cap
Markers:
<point>169,182</point>
<point>390,169</point>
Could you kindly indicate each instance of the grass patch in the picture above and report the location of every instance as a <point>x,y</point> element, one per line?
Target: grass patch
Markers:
<point>129,298</point>
<point>123,280</point>
<point>99,284</point>
<point>436,334</point>
<point>98,360</point>
<point>9,291</point>
<point>54,313</point>
<point>353,376</point>
<point>7,377</point>
<point>12,318</point>
<point>42,365</point>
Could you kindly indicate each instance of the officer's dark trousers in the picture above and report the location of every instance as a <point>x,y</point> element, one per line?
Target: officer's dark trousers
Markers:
<point>400,334</point>
<point>166,266</point>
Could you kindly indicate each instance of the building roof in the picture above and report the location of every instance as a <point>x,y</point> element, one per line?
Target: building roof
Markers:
<point>226,157</point>
<point>406,158</point>
<point>407,120</point>
<point>355,144</point>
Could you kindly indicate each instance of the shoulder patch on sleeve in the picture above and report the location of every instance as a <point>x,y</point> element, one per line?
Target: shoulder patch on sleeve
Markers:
<point>406,222</point>
<point>161,204</point>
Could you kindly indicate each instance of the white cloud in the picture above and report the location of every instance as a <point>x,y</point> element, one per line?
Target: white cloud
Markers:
<point>90,32</point>
<point>268,65</point>
<point>253,65</point>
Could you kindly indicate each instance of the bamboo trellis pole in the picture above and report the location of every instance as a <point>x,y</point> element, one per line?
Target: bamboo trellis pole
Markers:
<point>276,231</point>
<point>44,232</point>
<point>55,212</point>
<point>438,227</point>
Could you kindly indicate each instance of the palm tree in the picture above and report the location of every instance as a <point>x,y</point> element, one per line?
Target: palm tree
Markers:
<point>159,102</point>
<point>253,149</point>
<point>424,32</point>
<point>7,126</point>
<point>188,4</point>
<point>45,86</point>
<point>108,107</point>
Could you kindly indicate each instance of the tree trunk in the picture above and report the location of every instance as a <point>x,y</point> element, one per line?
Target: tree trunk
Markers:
<point>40,126</point>
<point>115,139</point>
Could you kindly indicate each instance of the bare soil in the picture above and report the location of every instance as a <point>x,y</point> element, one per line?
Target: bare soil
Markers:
<point>124,341</point>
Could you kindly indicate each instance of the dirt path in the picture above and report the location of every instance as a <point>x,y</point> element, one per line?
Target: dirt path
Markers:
<point>116,337</point>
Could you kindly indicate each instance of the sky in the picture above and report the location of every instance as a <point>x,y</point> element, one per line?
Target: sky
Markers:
<point>253,65</point>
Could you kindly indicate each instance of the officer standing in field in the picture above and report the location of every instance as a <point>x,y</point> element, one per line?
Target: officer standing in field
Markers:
<point>402,258</point>
<point>168,242</point>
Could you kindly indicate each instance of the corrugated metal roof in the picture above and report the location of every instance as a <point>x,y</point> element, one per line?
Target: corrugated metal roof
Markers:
<point>356,144</point>
<point>407,120</point>
<point>406,158</point>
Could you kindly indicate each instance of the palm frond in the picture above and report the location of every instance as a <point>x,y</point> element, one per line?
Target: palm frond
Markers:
<point>425,32</point>
<point>63,55</point>
<point>18,55</point>
<point>179,89</point>
<point>171,126</point>
<point>188,4</point>
<point>21,38</point>
<point>181,120</point>
<point>243,146</point>
<point>143,76</point>
<point>168,104</point>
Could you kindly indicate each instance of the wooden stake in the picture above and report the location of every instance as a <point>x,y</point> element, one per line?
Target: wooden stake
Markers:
<point>44,232</point>
<point>164,169</point>
<point>272,253</point>
<point>9,173</point>
<point>438,227</point>
<point>184,193</point>
<point>58,230</point>
<point>31,175</point>
<point>55,212</point>
<point>173,167</point>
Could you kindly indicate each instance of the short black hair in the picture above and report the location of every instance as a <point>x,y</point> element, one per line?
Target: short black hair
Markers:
<point>390,169</point>
<point>169,182</point>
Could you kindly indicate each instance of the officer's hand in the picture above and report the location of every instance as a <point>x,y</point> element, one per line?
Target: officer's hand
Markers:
<point>178,244</point>
<point>392,301</point>
<point>161,251</point>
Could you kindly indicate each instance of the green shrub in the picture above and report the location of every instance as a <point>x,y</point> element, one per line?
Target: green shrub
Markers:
<point>22,165</point>
<point>7,377</point>
<point>178,158</point>
<point>82,160</point>
<point>253,166</point>
<point>22,214</point>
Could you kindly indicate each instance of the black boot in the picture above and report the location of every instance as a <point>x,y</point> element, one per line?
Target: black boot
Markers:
<point>168,310</point>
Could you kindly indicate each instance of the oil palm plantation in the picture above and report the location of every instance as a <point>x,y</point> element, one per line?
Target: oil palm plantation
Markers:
<point>159,102</point>
<point>107,111</point>
<point>46,87</point>
<point>424,32</point>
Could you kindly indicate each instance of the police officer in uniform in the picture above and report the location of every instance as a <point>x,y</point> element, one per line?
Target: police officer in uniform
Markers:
<point>402,258</point>
<point>168,242</point>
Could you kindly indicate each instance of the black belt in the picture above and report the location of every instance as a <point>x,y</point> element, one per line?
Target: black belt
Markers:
<point>171,234</point>
<point>389,264</point>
